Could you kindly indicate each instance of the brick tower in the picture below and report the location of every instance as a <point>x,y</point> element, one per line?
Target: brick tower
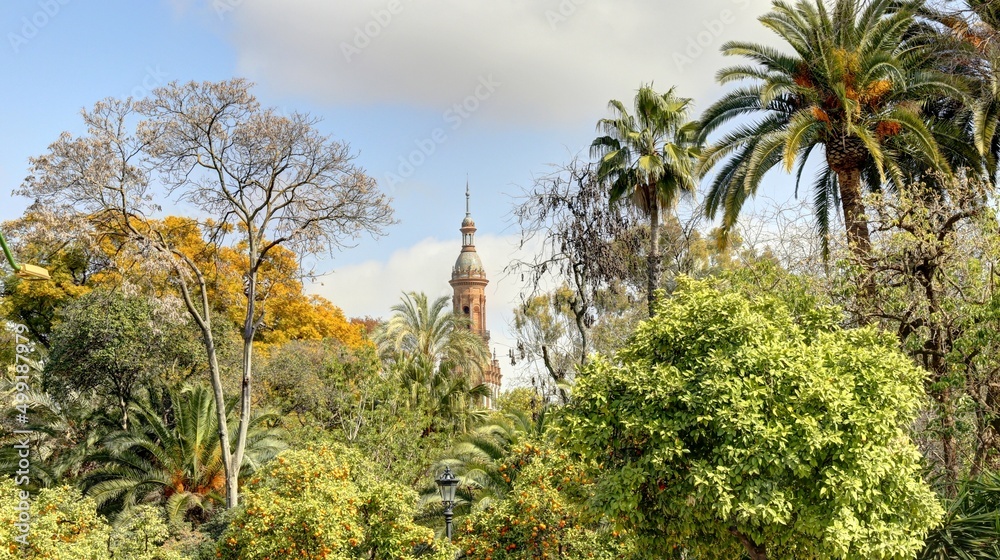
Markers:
<point>468,280</point>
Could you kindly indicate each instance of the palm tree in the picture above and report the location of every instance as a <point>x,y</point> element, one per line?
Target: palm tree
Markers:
<point>649,156</point>
<point>968,44</point>
<point>437,358</point>
<point>174,456</point>
<point>852,86</point>
<point>444,392</point>
<point>418,327</point>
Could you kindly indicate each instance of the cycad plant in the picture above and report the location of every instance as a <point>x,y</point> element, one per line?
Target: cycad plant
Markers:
<point>61,438</point>
<point>171,455</point>
<point>971,527</point>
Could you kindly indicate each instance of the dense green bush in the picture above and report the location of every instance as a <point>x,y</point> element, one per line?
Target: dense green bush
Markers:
<point>731,424</point>
<point>327,503</point>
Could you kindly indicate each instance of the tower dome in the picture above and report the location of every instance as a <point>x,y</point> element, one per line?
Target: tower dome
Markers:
<point>468,280</point>
<point>468,265</point>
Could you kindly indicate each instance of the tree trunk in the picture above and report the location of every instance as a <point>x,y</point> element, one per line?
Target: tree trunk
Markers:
<point>858,238</point>
<point>949,447</point>
<point>653,272</point>
<point>203,319</point>
<point>558,377</point>
<point>754,550</point>
<point>123,405</point>
<point>249,329</point>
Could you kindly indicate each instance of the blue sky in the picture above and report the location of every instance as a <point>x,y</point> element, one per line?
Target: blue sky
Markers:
<point>428,93</point>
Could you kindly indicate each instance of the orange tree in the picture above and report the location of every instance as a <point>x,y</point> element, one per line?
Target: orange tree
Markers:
<point>544,515</point>
<point>326,502</point>
<point>731,424</point>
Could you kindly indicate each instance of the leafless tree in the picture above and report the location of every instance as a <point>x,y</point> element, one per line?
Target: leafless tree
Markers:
<point>584,245</point>
<point>936,265</point>
<point>261,180</point>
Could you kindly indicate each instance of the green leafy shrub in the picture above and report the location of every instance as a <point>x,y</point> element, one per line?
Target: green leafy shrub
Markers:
<point>732,425</point>
<point>139,533</point>
<point>64,525</point>
<point>325,503</point>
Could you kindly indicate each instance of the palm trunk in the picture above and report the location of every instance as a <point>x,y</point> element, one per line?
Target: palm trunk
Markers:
<point>653,270</point>
<point>858,238</point>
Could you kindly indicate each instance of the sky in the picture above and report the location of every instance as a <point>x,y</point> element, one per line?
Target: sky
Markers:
<point>430,94</point>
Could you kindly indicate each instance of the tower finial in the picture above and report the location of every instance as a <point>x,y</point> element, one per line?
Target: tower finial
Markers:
<point>467,213</point>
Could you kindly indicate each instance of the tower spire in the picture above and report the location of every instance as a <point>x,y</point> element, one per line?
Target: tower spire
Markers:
<point>468,280</point>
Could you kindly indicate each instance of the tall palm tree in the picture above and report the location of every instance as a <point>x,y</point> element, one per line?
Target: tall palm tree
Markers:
<point>648,156</point>
<point>174,456</point>
<point>852,86</point>
<point>444,392</point>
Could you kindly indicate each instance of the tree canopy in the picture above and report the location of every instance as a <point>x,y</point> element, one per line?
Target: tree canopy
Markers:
<point>727,425</point>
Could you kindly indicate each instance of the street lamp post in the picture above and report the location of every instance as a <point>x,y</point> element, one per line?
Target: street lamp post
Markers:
<point>26,271</point>
<point>447,484</point>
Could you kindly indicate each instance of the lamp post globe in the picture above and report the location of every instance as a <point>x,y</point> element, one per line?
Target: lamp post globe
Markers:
<point>447,483</point>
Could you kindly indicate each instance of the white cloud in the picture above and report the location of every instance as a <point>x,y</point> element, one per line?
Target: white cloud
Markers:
<point>556,61</point>
<point>373,287</point>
